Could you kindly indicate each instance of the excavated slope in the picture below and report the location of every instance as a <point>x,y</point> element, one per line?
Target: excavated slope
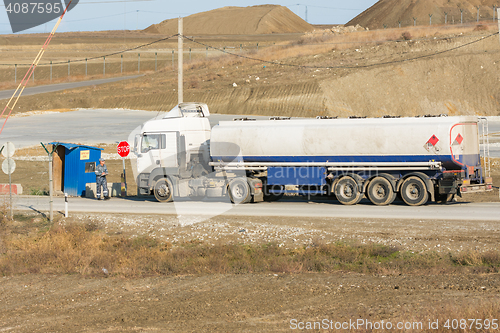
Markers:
<point>390,12</point>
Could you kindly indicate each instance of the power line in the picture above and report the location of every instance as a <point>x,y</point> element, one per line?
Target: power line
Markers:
<point>104,55</point>
<point>101,2</point>
<point>342,67</point>
<point>323,7</point>
<point>278,62</point>
<point>101,17</point>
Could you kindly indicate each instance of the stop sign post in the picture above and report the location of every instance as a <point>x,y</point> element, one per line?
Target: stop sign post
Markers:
<point>123,150</point>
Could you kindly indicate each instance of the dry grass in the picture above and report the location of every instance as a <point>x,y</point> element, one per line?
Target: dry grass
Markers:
<point>31,245</point>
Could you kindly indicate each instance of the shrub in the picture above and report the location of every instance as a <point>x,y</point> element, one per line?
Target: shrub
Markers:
<point>406,36</point>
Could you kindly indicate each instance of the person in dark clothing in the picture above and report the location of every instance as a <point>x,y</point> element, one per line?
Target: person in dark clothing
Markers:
<point>101,171</point>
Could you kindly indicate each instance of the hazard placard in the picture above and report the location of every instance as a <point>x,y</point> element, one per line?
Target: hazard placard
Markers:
<point>458,140</point>
<point>431,142</point>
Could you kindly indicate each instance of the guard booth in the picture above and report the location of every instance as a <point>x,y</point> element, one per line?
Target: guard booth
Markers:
<point>73,166</point>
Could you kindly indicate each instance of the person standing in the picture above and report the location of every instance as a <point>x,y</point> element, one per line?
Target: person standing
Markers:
<point>101,171</point>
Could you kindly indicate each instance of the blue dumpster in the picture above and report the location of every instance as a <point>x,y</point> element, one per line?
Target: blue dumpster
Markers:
<point>73,166</point>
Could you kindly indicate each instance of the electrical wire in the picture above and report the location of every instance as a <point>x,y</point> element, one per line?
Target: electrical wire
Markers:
<point>341,67</point>
<point>305,44</point>
<point>22,85</point>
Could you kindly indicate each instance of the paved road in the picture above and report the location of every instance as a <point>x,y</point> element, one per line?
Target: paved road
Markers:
<point>82,126</point>
<point>287,207</point>
<point>63,86</point>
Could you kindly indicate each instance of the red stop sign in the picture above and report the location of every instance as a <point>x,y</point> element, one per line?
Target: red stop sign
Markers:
<point>123,149</point>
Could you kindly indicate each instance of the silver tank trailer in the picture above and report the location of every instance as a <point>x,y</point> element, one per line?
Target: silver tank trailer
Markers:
<point>452,141</point>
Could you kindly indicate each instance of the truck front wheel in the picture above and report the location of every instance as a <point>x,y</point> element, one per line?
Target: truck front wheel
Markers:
<point>414,192</point>
<point>239,191</point>
<point>347,191</point>
<point>163,190</point>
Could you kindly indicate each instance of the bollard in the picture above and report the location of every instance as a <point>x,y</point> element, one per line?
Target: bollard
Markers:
<point>65,204</point>
<point>51,70</point>
<point>123,184</point>
<point>15,73</point>
<point>121,65</point>
<point>104,68</point>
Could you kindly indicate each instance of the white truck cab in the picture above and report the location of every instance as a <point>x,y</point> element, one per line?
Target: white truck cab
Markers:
<point>175,146</point>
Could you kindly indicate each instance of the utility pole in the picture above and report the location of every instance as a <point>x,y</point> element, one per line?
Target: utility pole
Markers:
<point>180,62</point>
<point>498,15</point>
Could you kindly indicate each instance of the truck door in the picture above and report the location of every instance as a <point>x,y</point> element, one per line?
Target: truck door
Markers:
<point>157,150</point>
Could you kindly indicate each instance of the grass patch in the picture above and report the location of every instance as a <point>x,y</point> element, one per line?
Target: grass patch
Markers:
<point>37,191</point>
<point>33,245</point>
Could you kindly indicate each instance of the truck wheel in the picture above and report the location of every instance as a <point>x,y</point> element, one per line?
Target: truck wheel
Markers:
<point>239,191</point>
<point>163,190</point>
<point>347,191</point>
<point>380,192</point>
<point>414,191</point>
<point>272,196</point>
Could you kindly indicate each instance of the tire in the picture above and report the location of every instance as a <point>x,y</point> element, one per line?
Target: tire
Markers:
<point>414,192</point>
<point>239,191</point>
<point>380,192</point>
<point>347,191</point>
<point>163,190</point>
<point>269,197</point>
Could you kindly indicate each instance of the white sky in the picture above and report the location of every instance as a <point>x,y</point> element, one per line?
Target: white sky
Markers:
<point>93,15</point>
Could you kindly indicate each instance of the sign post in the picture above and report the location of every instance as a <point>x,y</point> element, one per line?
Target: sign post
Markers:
<point>8,167</point>
<point>51,202</point>
<point>123,150</point>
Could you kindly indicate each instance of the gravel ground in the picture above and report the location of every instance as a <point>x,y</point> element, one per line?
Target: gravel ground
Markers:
<point>413,235</point>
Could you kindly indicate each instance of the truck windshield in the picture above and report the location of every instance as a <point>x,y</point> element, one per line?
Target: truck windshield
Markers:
<point>153,141</point>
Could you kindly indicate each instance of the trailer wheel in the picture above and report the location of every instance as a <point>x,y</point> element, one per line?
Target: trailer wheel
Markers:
<point>239,191</point>
<point>163,190</point>
<point>414,191</point>
<point>380,192</point>
<point>347,191</point>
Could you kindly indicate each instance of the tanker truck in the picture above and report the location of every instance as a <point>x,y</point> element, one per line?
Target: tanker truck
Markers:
<point>417,159</point>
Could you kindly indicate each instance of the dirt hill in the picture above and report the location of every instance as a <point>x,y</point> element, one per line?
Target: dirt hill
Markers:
<point>265,19</point>
<point>391,12</point>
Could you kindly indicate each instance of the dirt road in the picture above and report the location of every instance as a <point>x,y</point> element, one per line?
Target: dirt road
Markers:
<point>229,303</point>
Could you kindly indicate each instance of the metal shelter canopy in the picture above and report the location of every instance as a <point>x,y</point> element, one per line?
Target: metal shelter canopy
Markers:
<point>73,145</point>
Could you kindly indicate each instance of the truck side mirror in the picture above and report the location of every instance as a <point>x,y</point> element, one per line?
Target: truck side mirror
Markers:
<point>137,140</point>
